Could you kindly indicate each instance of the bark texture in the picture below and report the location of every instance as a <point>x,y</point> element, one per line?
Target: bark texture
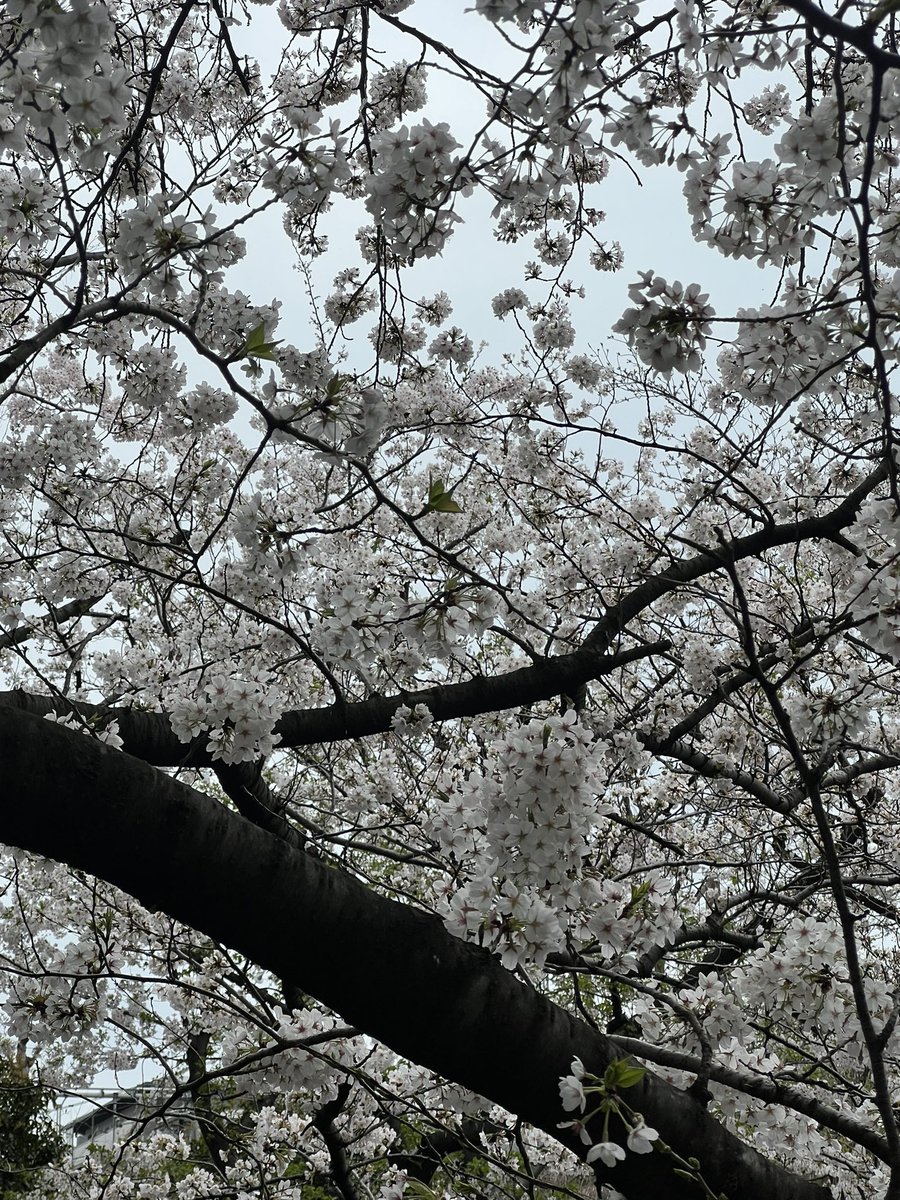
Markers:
<point>385,967</point>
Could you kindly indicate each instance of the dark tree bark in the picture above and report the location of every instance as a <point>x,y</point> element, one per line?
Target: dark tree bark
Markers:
<point>385,967</point>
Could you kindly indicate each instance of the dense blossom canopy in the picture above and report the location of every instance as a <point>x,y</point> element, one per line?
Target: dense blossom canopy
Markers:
<point>441,772</point>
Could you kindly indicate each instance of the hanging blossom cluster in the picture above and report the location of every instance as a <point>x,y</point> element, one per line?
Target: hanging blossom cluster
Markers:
<point>574,49</point>
<point>873,594</point>
<point>413,721</point>
<point>411,193</point>
<point>578,1088</point>
<point>803,980</point>
<point>522,838</point>
<point>798,980</point>
<point>237,716</point>
<point>395,91</point>
<point>28,204</point>
<point>310,172</point>
<point>160,243</point>
<point>71,1001</point>
<point>62,83</point>
<point>833,711</point>
<point>768,210</point>
<point>669,324</point>
<point>756,216</point>
<point>765,112</point>
<point>154,378</point>
<point>786,350</point>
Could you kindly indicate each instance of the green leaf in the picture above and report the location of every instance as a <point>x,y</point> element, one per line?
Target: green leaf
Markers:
<point>440,500</point>
<point>256,345</point>
<point>415,1187</point>
<point>638,892</point>
<point>622,1074</point>
<point>447,504</point>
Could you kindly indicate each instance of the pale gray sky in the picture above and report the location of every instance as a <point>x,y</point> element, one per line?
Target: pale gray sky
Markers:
<point>649,218</point>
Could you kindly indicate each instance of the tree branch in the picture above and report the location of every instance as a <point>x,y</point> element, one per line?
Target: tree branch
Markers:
<point>149,736</point>
<point>400,976</point>
<point>769,1090</point>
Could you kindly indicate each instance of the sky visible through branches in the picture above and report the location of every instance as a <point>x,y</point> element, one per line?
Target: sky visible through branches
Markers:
<point>450,594</point>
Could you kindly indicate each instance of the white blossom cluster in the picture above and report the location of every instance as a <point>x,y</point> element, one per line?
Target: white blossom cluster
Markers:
<point>411,194</point>
<point>509,301</point>
<point>354,626</point>
<point>63,83</point>
<point>783,351</point>
<point>767,212</point>
<point>225,318</point>
<point>360,627</point>
<point>803,980</point>
<point>620,919</point>
<point>607,256</point>
<point>668,325</point>
<point>411,720</point>
<point>154,377</point>
<point>575,1095</point>
<point>298,1069</point>
<point>108,734</point>
<point>350,299</point>
<point>553,329</point>
<point>305,178</point>
<point>237,716</point>
<point>452,346</point>
<point>203,408</point>
<point>832,712</point>
<point>767,110</point>
<point>395,91</point>
<point>523,837</point>
<point>887,299</point>
<point>56,1011</point>
<point>583,371</point>
<point>27,209</point>
<point>159,243</point>
<point>398,343</point>
<point>72,1003</point>
<point>873,593</point>
<point>350,420</point>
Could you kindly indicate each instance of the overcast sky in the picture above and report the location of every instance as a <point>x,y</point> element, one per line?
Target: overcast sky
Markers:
<point>648,217</point>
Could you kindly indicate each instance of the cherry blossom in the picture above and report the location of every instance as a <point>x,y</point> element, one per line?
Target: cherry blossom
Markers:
<point>460,768</point>
<point>609,1153</point>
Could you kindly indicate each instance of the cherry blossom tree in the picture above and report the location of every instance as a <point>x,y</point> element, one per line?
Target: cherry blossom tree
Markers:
<point>439,772</point>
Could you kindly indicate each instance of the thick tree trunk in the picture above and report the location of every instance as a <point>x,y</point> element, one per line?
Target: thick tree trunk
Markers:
<point>385,967</point>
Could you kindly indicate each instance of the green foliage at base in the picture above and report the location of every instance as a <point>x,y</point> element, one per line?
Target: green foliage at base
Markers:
<point>28,1139</point>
